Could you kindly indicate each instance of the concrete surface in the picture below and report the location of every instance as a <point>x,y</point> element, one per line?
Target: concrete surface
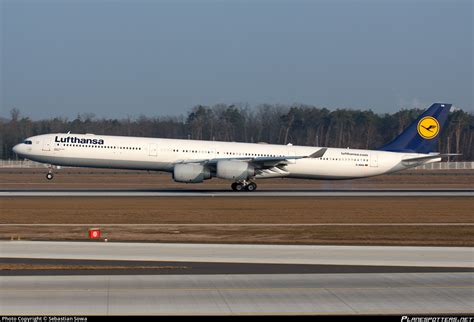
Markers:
<point>272,254</point>
<point>407,293</point>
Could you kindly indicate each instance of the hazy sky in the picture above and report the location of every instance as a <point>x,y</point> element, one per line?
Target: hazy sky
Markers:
<point>119,58</point>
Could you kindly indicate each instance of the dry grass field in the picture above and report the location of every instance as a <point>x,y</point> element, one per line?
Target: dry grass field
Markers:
<point>447,221</point>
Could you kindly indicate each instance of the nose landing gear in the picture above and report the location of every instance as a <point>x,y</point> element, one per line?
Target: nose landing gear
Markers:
<point>244,186</point>
<point>50,174</point>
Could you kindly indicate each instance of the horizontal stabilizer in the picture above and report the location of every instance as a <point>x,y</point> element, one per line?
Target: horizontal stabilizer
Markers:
<point>430,157</point>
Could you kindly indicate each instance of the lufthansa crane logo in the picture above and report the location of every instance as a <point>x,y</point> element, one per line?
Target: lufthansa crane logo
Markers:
<point>428,127</point>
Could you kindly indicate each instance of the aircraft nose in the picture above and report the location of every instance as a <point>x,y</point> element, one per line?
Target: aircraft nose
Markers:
<point>17,149</point>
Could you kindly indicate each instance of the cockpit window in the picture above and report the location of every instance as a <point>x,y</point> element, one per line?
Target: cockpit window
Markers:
<point>27,142</point>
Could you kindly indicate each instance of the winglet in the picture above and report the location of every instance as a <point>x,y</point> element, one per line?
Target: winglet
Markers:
<point>318,154</point>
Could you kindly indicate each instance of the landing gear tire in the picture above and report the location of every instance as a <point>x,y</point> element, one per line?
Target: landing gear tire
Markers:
<point>239,186</point>
<point>50,176</point>
<point>252,186</point>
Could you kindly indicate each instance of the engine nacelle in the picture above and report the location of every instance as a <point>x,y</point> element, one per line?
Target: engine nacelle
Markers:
<point>234,170</point>
<point>191,173</point>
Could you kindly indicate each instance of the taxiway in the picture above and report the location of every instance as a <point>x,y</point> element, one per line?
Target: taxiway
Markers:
<point>225,253</point>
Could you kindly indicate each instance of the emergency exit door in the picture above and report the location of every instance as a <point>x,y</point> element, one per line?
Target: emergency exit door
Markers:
<point>153,150</point>
<point>374,160</point>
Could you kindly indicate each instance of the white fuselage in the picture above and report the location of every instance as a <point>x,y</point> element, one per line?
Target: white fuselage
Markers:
<point>139,153</point>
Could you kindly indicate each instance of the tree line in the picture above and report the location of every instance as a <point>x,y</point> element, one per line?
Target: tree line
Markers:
<point>271,123</point>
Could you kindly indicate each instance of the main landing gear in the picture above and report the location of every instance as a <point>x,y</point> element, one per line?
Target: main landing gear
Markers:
<point>244,186</point>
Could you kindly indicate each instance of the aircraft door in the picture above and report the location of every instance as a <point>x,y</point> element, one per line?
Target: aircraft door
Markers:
<point>47,144</point>
<point>212,153</point>
<point>152,150</point>
<point>291,154</point>
<point>373,160</point>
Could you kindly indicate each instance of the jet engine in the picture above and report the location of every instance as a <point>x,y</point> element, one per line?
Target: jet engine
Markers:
<point>234,170</point>
<point>190,173</point>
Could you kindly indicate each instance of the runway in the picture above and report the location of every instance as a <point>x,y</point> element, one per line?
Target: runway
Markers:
<point>225,193</point>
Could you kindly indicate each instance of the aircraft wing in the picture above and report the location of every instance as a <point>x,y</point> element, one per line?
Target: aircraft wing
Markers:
<point>261,162</point>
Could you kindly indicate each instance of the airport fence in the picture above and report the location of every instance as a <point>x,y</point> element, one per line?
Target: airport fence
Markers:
<point>467,165</point>
<point>20,164</point>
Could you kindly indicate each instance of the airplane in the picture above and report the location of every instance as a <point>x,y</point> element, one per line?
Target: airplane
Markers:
<point>193,161</point>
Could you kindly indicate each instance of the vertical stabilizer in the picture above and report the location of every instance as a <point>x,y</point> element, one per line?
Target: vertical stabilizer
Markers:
<point>423,134</point>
